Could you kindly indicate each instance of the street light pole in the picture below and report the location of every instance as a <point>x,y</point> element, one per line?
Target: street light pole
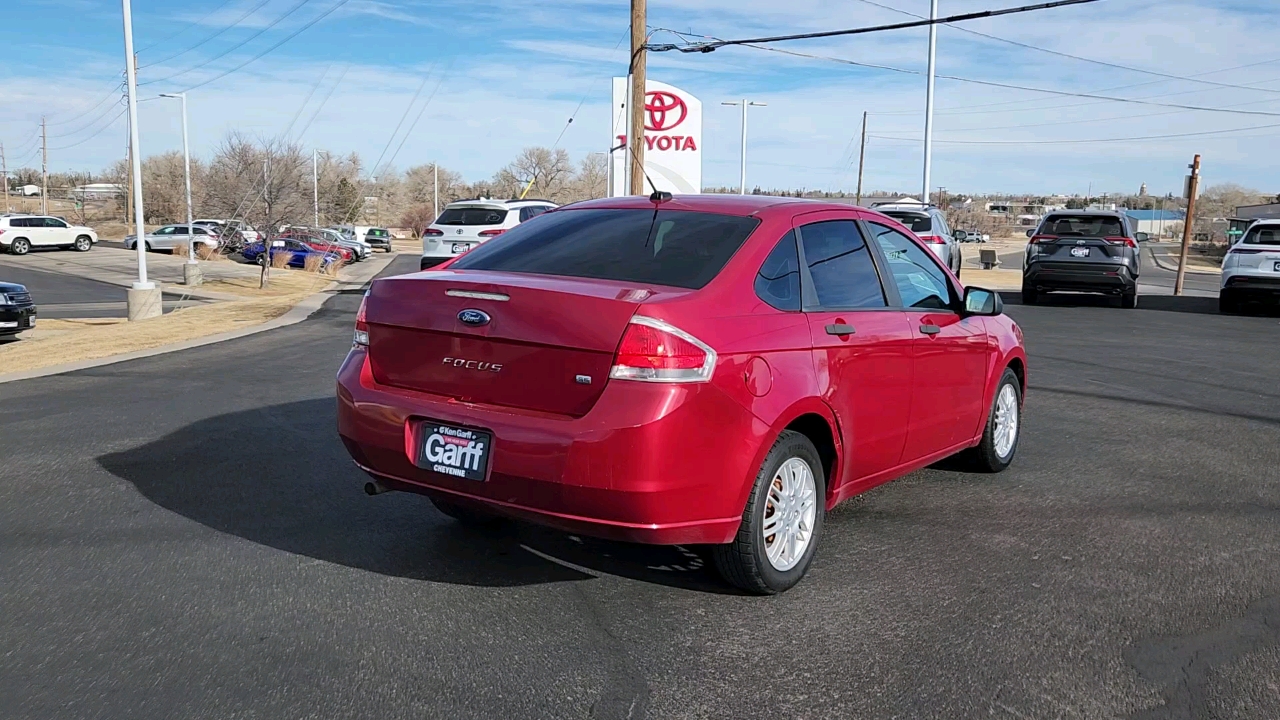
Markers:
<point>928,103</point>
<point>186,160</point>
<point>144,296</point>
<point>315,185</point>
<point>742,190</point>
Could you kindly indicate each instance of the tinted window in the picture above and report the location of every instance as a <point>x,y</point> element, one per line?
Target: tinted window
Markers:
<point>472,216</point>
<point>918,222</point>
<point>54,223</point>
<point>1083,226</point>
<point>377,233</point>
<point>528,213</point>
<point>844,275</point>
<point>778,282</point>
<point>164,231</point>
<point>921,283</point>
<point>669,247</point>
<point>1265,235</point>
<point>198,230</point>
<point>19,222</point>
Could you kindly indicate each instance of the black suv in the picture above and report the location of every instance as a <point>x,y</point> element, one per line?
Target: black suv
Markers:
<point>17,312</point>
<point>1083,251</point>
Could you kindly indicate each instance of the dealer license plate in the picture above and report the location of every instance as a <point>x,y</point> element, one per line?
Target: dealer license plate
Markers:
<point>1080,251</point>
<point>1277,266</point>
<point>461,247</point>
<point>31,320</point>
<point>454,451</point>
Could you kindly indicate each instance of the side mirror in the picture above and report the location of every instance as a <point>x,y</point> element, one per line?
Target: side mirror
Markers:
<point>961,235</point>
<point>980,301</point>
<point>1141,237</point>
<point>1031,232</point>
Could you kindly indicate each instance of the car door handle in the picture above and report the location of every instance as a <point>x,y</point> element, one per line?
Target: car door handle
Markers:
<point>840,329</point>
<point>930,329</point>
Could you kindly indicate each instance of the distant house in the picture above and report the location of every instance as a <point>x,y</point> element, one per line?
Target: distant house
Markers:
<point>1157,223</point>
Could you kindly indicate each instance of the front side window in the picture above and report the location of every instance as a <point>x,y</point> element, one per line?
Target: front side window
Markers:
<point>165,231</point>
<point>921,282</point>
<point>778,282</point>
<point>840,265</point>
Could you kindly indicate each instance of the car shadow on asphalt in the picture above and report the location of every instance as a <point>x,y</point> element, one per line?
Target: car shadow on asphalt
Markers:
<point>278,476</point>
<point>1165,303</point>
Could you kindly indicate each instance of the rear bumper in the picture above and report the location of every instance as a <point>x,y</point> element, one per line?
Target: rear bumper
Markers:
<point>1246,283</point>
<point>657,464</point>
<point>1080,277</point>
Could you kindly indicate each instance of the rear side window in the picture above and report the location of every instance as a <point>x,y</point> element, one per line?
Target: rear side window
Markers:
<point>670,247</point>
<point>917,222</point>
<point>844,275</point>
<point>1268,235</point>
<point>531,212</point>
<point>1083,226</point>
<point>778,282</point>
<point>472,216</point>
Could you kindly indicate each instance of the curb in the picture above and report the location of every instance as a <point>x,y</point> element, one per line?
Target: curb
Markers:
<point>1174,268</point>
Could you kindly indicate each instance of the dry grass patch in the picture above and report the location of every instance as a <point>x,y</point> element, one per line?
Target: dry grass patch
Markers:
<point>55,342</point>
<point>284,282</point>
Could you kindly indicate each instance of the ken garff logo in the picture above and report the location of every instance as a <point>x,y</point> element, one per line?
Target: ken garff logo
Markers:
<point>471,316</point>
<point>664,110</point>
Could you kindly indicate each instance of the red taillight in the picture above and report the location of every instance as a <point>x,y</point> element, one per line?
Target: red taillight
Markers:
<point>1128,242</point>
<point>491,233</point>
<point>433,232</point>
<point>362,325</point>
<point>654,351</point>
<point>1043,238</point>
<point>934,239</point>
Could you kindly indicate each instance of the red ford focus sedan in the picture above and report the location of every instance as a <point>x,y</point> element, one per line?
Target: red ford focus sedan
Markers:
<point>716,370</point>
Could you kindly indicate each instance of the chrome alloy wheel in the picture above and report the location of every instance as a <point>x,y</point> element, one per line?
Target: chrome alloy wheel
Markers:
<point>789,513</point>
<point>1006,421</point>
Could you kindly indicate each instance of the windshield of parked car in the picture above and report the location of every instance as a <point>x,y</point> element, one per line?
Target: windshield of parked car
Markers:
<point>1083,226</point>
<point>918,222</point>
<point>377,232</point>
<point>1266,235</point>
<point>677,248</point>
<point>472,216</point>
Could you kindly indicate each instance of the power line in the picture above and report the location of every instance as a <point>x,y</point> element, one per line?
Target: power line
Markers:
<point>235,47</point>
<point>1103,63</point>
<point>373,169</point>
<point>423,109</point>
<point>1084,141</point>
<point>707,47</point>
<point>286,39</point>
<point>87,125</point>
<point>115,93</point>
<point>307,125</point>
<point>201,21</point>
<point>98,132</point>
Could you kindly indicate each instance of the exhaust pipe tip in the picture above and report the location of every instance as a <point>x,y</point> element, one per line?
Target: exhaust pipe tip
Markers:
<point>373,487</point>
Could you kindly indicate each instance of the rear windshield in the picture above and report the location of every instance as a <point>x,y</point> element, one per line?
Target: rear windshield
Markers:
<point>380,233</point>
<point>918,222</point>
<point>672,247</point>
<point>1268,235</point>
<point>1083,226</point>
<point>472,216</point>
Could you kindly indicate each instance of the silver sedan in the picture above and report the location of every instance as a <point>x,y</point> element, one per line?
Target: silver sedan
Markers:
<point>171,237</point>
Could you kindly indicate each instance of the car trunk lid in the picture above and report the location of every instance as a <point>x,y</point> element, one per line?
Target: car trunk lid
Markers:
<point>532,342</point>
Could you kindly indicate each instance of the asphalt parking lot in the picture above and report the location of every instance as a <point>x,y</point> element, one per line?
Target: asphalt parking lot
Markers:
<point>183,536</point>
<point>60,295</point>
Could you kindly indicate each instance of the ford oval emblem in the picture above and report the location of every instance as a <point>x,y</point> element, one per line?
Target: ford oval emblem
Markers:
<point>475,317</point>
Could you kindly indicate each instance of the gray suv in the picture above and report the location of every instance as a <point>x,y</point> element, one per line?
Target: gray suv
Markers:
<point>1083,251</point>
<point>930,225</point>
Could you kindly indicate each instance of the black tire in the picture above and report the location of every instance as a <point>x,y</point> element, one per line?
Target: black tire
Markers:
<point>1228,303</point>
<point>146,246</point>
<point>20,246</point>
<point>82,244</point>
<point>959,262</point>
<point>463,514</point>
<point>1129,301</point>
<point>743,562</point>
<point>984,457</point>
<point>1029,296</point>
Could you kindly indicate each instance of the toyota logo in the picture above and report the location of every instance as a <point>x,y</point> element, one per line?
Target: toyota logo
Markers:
<point>475,317</point>
<point>663,110</point>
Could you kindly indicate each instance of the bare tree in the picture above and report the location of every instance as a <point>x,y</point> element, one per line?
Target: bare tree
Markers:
<point>164,186</point>
<point>547,174</point>
<point>593,177</point>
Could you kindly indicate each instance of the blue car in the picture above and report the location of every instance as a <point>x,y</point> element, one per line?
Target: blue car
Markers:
<point>299,251</point>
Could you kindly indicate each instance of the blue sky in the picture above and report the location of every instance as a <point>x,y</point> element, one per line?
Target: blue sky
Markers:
<point>504,75</point>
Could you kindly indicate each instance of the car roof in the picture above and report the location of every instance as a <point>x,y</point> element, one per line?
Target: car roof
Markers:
<point>1098,213</point>
<point>497,203</point>
<point>743,205</point>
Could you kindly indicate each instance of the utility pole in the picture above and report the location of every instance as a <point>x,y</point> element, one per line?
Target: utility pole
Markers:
<point>128,174</point>
<point>928,102</point>
<point>1192,189</point>
<point>4,172</point>
<point>191,270</point>
<point>742,190</point>
<point>315,185</point>
<point>638,80</point>
<point>44,167</point>
<point>435,191</point>
<point>144,297</point>
<point>267,236</point>
<point>942,198</point>
<point>862,154</point>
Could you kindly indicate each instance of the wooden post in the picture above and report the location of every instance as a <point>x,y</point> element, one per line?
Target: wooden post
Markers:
<point>638,79</point>
<point>862,154</point>
<point>1193,189</point>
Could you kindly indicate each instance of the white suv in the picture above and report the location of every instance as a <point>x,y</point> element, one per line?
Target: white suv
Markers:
<point>1251,269</point>
<point>20,233</point>
<point>467,223</point>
